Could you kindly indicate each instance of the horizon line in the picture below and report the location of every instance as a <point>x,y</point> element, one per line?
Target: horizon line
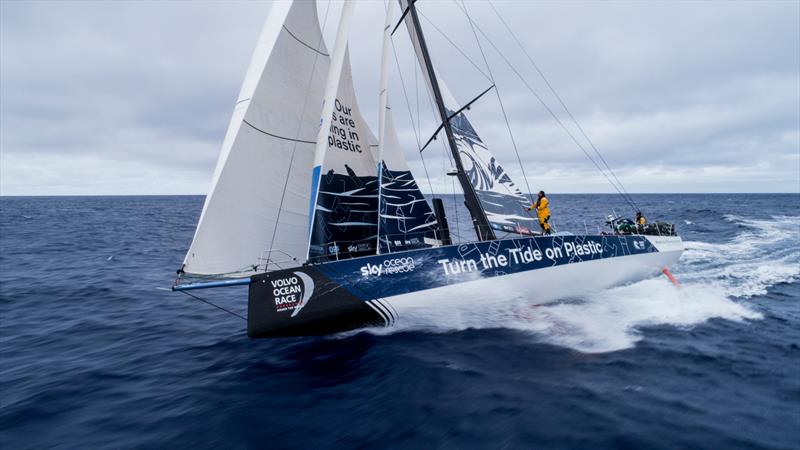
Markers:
<point>426,194</point>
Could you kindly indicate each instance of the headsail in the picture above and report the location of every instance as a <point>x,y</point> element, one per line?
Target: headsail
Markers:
<point>256,210</point>
<point>500,199</point>
<point>344,204</point>
<point>405,219</point>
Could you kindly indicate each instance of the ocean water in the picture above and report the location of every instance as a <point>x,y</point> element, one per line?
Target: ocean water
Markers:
<point>94,353</point>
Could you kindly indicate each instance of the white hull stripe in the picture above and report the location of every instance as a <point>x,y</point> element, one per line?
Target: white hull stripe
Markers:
<point>380,313</point>
<point>386,309</point>
<point>391,309</point>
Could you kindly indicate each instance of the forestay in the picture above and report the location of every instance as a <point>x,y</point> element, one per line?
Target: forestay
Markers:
<point>256,212</point>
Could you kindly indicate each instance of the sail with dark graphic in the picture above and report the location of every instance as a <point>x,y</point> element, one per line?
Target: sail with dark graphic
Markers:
<point>344,203</point>
<point>405,220</point>
<point>502,202</point>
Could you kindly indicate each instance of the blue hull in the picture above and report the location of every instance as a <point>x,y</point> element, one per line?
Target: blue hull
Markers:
<point>341,295</point>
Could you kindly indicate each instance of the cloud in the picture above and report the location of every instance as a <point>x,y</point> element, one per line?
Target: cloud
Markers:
<point>134,97</point>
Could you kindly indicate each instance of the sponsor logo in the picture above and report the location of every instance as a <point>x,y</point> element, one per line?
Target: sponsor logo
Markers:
<point>352,248</point>
<point>388,267</point>
<point>292,293</point>
<point>360,247</point>
<point>639,245</point>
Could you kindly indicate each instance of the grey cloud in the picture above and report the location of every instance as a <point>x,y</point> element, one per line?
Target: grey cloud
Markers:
<point>107,97</point>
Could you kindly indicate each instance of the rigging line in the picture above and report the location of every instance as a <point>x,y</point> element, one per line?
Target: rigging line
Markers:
<point>455,208</point>
<point>507,188</point>
<point>408,104</point>
<point>458,49</point>
<point>558,97</point>
<point>410,114</point>
<point>419,122</point>
<point>499,99</point>
<point>297,134</point>
<point>430,186</point>
<point>490,78</point>
<point>452,190</point>
<point>416,95</point>
<point>450,159</point>
<point>553,115</point>
<point>212,304</point>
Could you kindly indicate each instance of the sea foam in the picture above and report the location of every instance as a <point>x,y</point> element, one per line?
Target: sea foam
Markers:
<point>717,279</point>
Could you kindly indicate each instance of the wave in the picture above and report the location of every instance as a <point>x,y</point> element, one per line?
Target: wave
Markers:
<point>766,253</point>
<point>612,320</point>
<point>717,279</point>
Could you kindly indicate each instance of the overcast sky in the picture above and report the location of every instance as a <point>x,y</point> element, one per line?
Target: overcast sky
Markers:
<point>134,97</point>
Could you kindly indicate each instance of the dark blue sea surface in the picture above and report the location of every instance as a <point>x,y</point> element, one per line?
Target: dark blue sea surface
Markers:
<point>94,353</point>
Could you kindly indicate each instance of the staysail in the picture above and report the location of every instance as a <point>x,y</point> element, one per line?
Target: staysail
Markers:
<point>256,211</point>
<point>500,199</point>
<point>344,203</point>
<point>405,219</point>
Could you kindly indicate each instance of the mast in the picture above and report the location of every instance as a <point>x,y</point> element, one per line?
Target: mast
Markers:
<point>479,220</point>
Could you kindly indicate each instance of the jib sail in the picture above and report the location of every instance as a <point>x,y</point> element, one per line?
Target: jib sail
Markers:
<point>344,203</point>
<point>257,207</point>
<point>405,219</point>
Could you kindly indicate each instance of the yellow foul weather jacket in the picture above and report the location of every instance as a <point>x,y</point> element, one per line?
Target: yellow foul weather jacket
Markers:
<point>543,208</point>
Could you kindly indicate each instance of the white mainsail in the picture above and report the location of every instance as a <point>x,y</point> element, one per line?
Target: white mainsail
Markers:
<point>343,207</point>
<point>257,207</point>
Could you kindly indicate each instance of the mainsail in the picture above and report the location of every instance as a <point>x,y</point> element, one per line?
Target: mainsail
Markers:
<point>256,212</point>
<point>500,199</point>
<point>405,219</point>
<point>503,202</point>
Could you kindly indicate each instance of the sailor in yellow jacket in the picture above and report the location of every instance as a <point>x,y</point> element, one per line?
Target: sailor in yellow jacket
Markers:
<point>542,207</point>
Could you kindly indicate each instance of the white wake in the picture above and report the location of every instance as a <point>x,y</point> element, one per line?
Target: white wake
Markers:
<point>717,279</point>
